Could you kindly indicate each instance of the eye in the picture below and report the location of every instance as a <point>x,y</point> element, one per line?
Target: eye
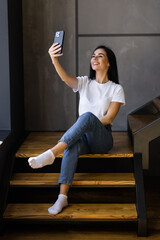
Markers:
<point>92,56</point>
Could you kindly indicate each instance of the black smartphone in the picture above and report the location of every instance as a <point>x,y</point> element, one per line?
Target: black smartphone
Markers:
<point>59,38</point>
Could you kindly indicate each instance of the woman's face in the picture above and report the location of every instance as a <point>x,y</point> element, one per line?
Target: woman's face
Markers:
<point>99,60</point>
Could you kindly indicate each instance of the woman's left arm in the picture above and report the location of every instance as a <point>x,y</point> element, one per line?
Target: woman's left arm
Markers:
<point>111,113</point>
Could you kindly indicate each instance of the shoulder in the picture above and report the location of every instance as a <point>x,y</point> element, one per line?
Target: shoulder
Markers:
<point>83,82</point>
<point>83,78</point>
<point>118,93</point>
<point>116,86</point>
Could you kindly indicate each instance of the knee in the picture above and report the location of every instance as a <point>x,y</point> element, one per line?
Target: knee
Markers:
<point>72,150</point>
<point>88,118</point>
<point>87,115</point>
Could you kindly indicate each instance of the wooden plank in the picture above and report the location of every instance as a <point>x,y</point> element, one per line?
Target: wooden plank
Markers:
<point>38,142</point>
<point>156,102</point>
<point>80,179</point>
<point>72,212</point>
<point>137,122</point>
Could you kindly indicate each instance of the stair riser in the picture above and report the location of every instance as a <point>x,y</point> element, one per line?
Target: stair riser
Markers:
<point>81,195</point>
<point>84,165</point>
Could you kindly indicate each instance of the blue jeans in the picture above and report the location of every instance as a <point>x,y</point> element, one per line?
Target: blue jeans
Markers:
<point>87,135</point>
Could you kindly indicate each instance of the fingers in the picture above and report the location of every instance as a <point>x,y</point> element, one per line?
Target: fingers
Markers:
<point>55,46</point>
<point>54,49</point>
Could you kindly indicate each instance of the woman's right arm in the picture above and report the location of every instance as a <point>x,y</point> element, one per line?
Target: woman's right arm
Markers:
<point>71,81</point>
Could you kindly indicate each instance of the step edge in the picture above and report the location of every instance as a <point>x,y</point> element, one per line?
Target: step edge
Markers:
<point>74,216</point>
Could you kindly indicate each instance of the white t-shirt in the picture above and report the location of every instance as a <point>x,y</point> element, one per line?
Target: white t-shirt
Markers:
<point>96,97</point>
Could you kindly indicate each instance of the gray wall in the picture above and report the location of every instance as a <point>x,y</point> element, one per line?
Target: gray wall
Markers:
<point>132,30</point>
<point>130,27</point>
<point>4,69</point>
<point>49,103</point>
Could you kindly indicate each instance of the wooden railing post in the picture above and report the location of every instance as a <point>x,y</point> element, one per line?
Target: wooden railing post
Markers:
<point>140,196</point>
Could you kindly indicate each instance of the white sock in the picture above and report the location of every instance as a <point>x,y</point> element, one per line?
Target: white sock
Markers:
<point>46,158</point>
<point>59,204</point>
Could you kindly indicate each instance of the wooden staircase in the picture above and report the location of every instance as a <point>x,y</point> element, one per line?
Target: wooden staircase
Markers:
<point>36,143</point>
<point>143,127</point>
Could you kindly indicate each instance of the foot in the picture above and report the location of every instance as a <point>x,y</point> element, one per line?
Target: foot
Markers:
<point>59,204</point>
<point>46,158</point>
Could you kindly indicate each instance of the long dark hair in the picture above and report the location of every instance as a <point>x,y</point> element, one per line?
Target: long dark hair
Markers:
<point>112,71</point>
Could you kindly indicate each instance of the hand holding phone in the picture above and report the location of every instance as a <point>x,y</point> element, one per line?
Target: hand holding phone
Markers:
<point>59,38</point>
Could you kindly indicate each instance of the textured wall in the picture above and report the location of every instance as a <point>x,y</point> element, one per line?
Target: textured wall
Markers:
<point>130,27</point>
<point>132,30</point>
<point>119,16</point>
<point>49,103</point>
<point>5,123</point>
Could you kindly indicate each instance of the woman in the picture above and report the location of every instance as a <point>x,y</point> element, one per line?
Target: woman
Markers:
<point>100,100</point>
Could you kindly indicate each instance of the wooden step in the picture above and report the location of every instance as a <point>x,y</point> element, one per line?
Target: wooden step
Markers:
<point>156,102</point>
<point>138,121</point>
<point>80,179</point>
<point>38,142</point>
<point>72,212</point>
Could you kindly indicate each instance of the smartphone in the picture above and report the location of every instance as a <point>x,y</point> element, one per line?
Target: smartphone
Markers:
<point>59,38</point>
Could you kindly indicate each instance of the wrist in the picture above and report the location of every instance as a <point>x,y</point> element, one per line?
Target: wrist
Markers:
<point>55,60</point>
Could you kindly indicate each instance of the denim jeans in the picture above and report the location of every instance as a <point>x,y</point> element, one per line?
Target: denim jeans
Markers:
<point>87,135</point>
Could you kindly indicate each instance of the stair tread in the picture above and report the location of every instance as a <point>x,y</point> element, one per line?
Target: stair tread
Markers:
<point>138,121</point>
<point>80,179</point>
<point>38,142</point>
<point>72,212</point>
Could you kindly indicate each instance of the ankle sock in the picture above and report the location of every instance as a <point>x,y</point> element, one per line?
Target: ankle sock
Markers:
<point>46,158</point>
<point>59,204</point>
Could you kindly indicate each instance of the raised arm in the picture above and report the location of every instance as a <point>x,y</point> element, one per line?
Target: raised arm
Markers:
<point>71,81</point>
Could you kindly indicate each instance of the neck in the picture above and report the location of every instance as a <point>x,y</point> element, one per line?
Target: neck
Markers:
<point>101,78</point>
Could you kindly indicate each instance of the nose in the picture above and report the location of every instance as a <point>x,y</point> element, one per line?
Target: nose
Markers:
<point>94,58</point>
